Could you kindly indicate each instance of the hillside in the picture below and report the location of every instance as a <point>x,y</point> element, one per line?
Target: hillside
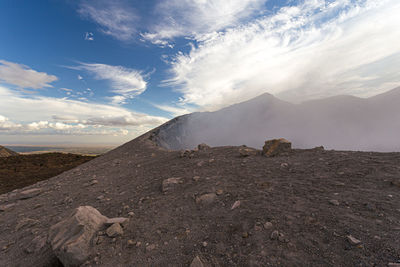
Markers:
<point>341,123</point>
<point>306,208</point>
<point>5,152</point>
<point>23,170</point>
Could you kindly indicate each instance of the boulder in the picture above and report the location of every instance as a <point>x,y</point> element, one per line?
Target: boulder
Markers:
<point>71,238</point>
<point>276,147</point>
<point>203,146</point>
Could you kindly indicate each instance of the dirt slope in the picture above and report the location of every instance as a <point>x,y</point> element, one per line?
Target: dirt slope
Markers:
<point>24,170</point>
<point>313,198</point>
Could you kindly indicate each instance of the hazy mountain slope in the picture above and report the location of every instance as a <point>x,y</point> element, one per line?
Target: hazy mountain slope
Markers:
<point>341,122</point>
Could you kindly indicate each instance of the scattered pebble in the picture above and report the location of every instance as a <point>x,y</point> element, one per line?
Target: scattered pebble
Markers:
<point>334,202</point>
<point>354,241</point>
<point>267,225</point>
<point>114,230</point>
<point>235,205</point>
<point>206,198</point>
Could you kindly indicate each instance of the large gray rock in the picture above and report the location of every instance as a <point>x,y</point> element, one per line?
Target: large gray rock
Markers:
<point>71,238</point>
<point>276,147</point>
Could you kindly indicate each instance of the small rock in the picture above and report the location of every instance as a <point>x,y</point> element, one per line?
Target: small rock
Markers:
<point>203,146</point>
<point>334,202</point>
<point>204,244</point>
<point>170,184</point>
<point>131,214</point>
<point>100,197</point>
<point>121,220</point>
<point>131,242</point>
<point>206,199</point>
<point>354,241</point>
<point>276,146</point>
<point>196,178</point>
<point>245,234</point>
<point>395,183</point>
<point>30,193</point>
<point>274,235</point>
<point>211,160</point>
<point>258,226</point>
<point>219,192</point>
<point>318,148</point>
<point>7,207</point>
<point>200,163</point>
<point>114,230</point>
<point>150,247</point>
<point>186,154</point>
<point>197,262</point>
<point>267,225</point>
<point>246,152</point>
<point>284,165</point>
<point>235,205</point>
<point>94,182</point>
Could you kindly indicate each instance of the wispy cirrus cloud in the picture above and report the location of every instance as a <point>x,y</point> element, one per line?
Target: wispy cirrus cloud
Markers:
<point>23,76</point>
<point>115,18</point>
<point>314,49</point>
<point>179,18</point>
<point>126,83</point>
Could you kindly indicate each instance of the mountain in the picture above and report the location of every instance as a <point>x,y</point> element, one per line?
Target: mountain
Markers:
<point>5,152</point>
<point>143,204</point>
<point>340,122</point>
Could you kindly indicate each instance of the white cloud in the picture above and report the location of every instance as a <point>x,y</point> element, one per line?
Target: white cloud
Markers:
<point>315,49</point>
<point>66,90</point>
<point>7,125</point>
<point>193,18</point>
<point>116,18</point>
<point>80,77</point>
<point>89,36</point>
<point>54,115</point>
<point>126,83</point>
<point>23,76</point>
<point>175,110</point>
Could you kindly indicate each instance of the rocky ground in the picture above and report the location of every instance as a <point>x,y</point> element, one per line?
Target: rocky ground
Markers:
<point>18,171</point>
<point>218,206</point>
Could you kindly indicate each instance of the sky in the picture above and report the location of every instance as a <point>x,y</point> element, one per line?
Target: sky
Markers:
<point>104,72</point>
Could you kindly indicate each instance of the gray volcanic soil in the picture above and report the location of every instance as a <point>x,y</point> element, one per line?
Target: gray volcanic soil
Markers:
<point>294,193</point>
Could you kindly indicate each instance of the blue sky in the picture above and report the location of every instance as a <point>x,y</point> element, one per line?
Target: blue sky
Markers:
<point>106,71</point>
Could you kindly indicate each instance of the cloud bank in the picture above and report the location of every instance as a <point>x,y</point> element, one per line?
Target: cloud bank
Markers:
<point>47,115</point>
<point>315,49</point>
<point>23,76</point>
